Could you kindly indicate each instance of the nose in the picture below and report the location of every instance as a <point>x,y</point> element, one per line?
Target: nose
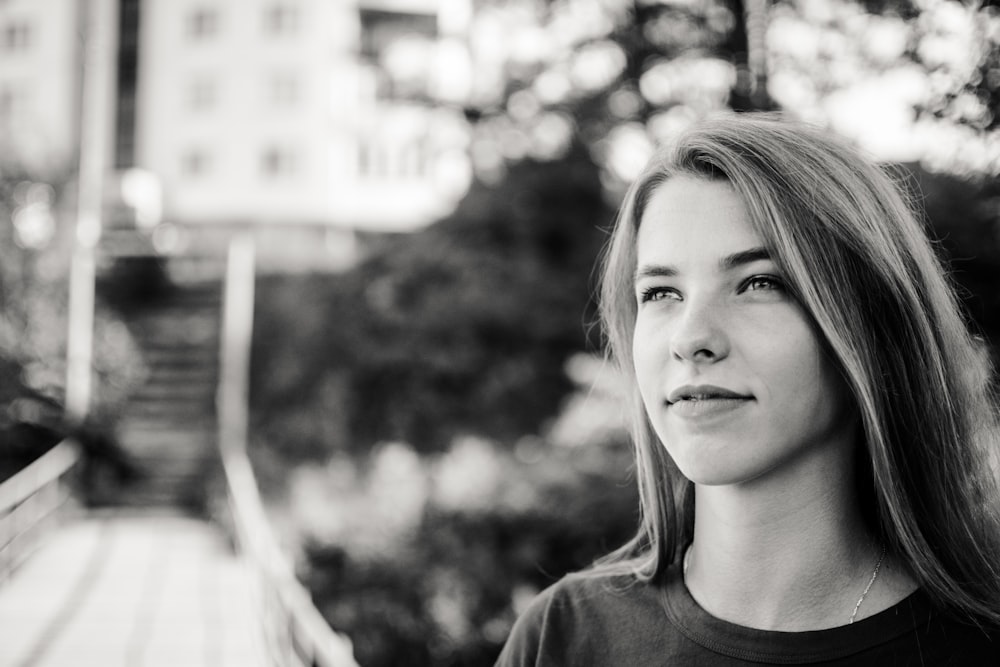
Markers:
<point>699,335</point>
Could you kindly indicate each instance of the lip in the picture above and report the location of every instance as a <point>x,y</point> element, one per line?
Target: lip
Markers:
<point>704,393</point>
<point>712,402</point>
<point>708,408</point>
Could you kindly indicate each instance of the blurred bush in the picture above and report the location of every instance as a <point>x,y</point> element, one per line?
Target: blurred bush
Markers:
<point>461,328</point>
<point>440,579</point>
<point>29,421</point>
<point>434,440</point>
<point>36,240</point>
<point>963,216</point>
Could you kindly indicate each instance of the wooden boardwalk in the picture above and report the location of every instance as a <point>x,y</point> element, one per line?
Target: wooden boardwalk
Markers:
<point>131,591</point>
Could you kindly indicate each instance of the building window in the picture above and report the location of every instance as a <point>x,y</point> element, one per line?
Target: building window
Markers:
<point>277,162</point>
<point>202,24</point>
<point>283,90</point>
<point>413,161</point>
<point>375,161</point>
<point>201,94</point>
<point>393,44</point>
<point>194,163</point>
<point>12,103</point>
<point>395,161</point>
<point>379,29</point>
<point>281,19</point>
<point>6,104</point>
<point>15,36</point>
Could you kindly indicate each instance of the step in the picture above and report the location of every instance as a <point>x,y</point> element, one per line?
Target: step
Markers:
<point>169,373</point>
<point>165,347</point>
<point>192,404</point>
<point>198,355</point>
<point>196,424</point>
<point>184,392</point>
<point>203,337</point>
<point>179,315</point>
<point>166,446</point>
<point>191,496</point>
<point>170,468</point>
<point>174,392</point>
<point>170,457</point>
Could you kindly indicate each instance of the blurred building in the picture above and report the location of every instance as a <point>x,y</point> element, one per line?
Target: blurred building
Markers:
<point>307,121</point>
<point>39,97</point>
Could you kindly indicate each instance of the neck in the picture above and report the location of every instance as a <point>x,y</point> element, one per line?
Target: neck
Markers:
<point>788,554</point>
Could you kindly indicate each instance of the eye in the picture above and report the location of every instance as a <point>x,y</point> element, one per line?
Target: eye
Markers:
<point>762,283</point>
<point>657,293</point>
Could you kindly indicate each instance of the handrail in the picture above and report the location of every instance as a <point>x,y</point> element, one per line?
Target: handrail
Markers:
<point>295,632</point>
<point>28,498</point>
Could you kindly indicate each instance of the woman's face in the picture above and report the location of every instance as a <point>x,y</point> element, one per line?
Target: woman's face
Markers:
<point>734,380</point>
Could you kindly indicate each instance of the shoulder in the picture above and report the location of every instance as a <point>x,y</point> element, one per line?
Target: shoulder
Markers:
<point>592,595</point>
<point>959,641</point>
<point>582,617</point>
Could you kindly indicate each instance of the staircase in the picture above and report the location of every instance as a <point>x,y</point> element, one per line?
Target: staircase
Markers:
<point>169,426</point>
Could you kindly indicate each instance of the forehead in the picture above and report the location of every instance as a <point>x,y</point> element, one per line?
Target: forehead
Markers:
<point>686,218</point>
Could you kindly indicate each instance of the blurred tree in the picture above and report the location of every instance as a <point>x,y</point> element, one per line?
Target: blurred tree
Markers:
<point>35,241</point>
<point>915,80</point>
<point>911,80</point>
<point>29,410</point>
<point>964,217</point>
<point>524,526</point>
<point>461,328</point>
<point>614,76</point>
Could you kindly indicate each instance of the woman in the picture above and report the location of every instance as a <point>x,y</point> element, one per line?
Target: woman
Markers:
<point>812,423</point>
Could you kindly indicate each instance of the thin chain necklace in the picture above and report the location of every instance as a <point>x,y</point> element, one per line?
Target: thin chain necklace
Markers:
<point>871,582</point>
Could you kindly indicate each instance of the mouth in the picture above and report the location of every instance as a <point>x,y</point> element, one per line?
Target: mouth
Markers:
<point>694,394</point>
<point>704,405</point>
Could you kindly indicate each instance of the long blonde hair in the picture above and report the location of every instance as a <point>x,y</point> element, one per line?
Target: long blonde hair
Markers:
<point>860,263</point>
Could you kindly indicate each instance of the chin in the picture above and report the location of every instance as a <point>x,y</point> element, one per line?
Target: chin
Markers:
<point>718,468</point>
<point>717,477</point>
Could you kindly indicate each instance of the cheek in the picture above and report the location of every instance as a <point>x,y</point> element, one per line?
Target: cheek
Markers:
<point>802,384</point>
<point>646,358</point>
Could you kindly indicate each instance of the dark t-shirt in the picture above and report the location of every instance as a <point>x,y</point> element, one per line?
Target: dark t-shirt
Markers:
<point>589,621</point>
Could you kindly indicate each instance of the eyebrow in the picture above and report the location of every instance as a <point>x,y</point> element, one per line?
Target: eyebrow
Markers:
<point>727,263</point>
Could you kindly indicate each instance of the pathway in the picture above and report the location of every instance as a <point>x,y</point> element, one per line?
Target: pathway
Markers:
<point>119,590</point>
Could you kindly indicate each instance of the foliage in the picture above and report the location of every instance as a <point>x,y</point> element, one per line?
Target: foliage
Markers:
<point>446,591</point>
<point>463,327</point>
<point>964,217</point>
<point>908,79</point>
<point>36,237</point>
<point>28,422</point>
<point>613,76</point>
<point>29,304</point>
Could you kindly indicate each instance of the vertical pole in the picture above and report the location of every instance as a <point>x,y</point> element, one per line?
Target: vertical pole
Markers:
<point>96,82</point>
<point>756,19</point>
<point>237,328</point>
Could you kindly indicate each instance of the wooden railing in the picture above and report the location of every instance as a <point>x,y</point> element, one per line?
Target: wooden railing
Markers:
<point>28,501</point>
<point>294,631</point>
